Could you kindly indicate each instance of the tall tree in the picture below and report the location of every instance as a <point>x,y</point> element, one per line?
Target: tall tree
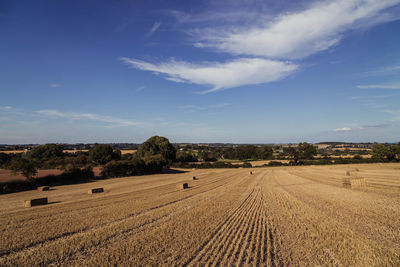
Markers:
<point>157,145</point>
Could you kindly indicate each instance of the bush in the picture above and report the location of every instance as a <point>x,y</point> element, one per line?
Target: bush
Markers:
<point>137,166</point>
<point>100,154</point>
<point>119,168</point>
<point>247,165</point>
<point>4,159</point>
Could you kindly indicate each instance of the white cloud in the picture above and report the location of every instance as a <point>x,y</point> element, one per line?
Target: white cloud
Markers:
<point>153,29</point>
<point>344,129</point>
<point>5,108</point>
<point>380,86</point>
<point>73,116</point>
<point>54,85</point>
<point>239,72</point>
<point>298,34</point>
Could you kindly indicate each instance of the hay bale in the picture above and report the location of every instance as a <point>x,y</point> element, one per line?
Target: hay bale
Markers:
<point>36,202</point>
<point>347,173</point>
<point>182,186</point>
<point>43,188</point>
<point>194,178</point>
<point>356,169</point>
<point>96,190</point>
<point>356,182</point>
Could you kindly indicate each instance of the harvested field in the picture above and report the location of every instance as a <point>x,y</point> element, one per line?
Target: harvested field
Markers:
<point>281,216</point>
<point>7,175</point>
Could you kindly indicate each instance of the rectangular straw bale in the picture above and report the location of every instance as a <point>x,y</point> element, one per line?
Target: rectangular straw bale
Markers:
<point>43,188</point>
<point>354,182</point>
<point>96,190</point>
<point>35,202</point>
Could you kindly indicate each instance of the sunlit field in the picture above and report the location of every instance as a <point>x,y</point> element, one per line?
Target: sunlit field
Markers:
<point>278,216</point>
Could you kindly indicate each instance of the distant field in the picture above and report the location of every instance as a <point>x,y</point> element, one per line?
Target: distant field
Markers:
<point>124,151</point>
<point>6,175</point>
<point>351,149</point>
<point>281,216</point>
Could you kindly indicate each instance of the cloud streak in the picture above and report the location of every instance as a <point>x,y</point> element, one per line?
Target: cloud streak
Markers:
<point>193,108</point>
<point>298,34</point>
<point>363,127</point>
<point>380,86</point>
<point>74,116</point>
<point>153,29</point>
<point>235,73</point>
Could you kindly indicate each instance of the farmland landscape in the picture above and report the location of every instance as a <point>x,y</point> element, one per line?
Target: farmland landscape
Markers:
<point>280,216</point>
<point>200,133</point>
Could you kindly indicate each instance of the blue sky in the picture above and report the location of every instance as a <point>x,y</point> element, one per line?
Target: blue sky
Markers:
<point>245,71</point>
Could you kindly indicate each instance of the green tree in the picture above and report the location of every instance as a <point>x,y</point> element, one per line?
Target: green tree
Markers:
<point>292,153</point>
<point>394,153</point>
<point>264,152</point>
<point>27,167</point>
<point>306,151</point>
<point>46,152</point>
<point>381,152</point>
<point>100,154</point>
<point>157,145</point>
<point>247,152</point>
<point>184,156</point>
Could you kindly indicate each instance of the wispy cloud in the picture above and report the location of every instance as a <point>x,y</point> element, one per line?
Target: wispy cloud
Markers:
<point>153,29</point>
<point>264,42</point>
<point>380,86</point>
<point>363,127</point>
<point>387,70</point>
<point>74,116</point>
<point>140,88</point>
<point>55,85</point>
<point>6,108</point>
<point>298,34</point>
<point>193,108</point>
<point>373,96</point>
<point>212,16</point>
<point>235,73</point>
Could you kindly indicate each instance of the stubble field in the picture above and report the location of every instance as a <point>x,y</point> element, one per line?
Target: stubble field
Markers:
<point>281,216</point>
